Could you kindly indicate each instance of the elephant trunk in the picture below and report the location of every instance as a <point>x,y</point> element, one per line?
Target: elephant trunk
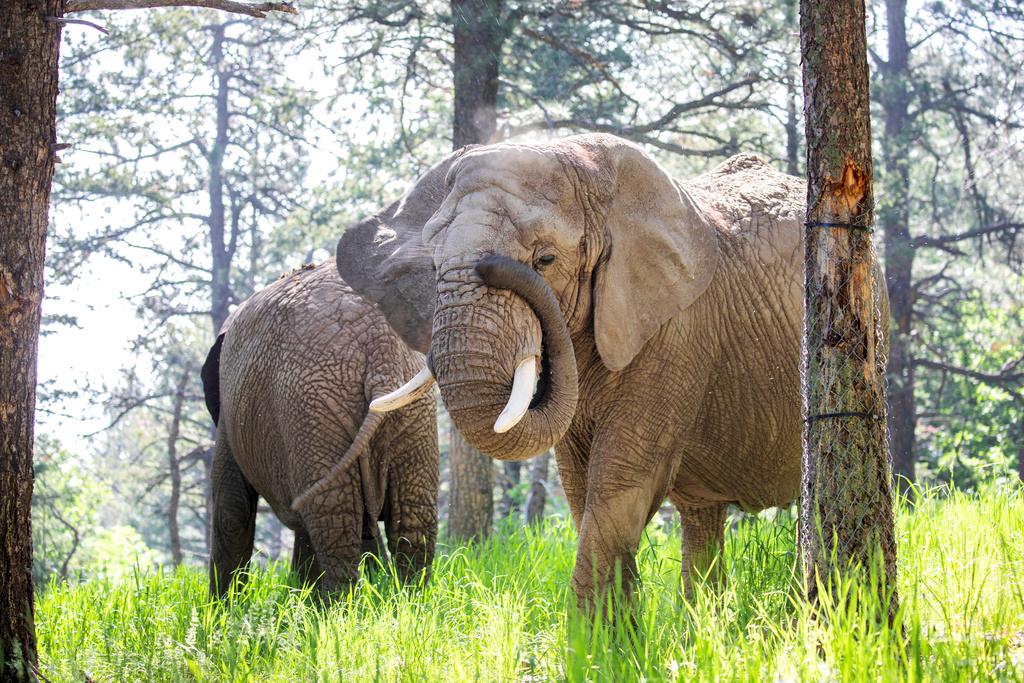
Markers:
<point>492,320</point>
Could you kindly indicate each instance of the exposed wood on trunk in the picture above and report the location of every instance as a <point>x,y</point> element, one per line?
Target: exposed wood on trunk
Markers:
<point>471,510</point>
<point>29,48</point>
<point>174,466</point>
<point>537,497</point>
<point>846,508</point>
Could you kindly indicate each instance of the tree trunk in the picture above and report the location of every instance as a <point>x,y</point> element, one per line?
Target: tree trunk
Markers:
<point>29,48</point>
<point>223,250</point>
<point>537,498</point>
<point>471,510</point>
<point>894,217</point>
<point>512,475</point>
<point>846,514</point>
<point>478,33</point>
<point>208,496</point>
<point>275,529</point>
<point>174,466</point>
<point>792,96</point>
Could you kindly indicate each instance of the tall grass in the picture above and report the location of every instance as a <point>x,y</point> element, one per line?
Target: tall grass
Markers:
<point>502,611</point>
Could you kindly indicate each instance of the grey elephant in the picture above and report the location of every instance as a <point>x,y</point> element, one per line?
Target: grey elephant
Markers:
<point>288,382</point>
<point>574,294</point>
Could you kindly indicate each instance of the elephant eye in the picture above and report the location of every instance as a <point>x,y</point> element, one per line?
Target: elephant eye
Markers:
<point>544,261</point>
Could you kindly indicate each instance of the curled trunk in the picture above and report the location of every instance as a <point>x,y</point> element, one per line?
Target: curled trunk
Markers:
<point>490,316</point>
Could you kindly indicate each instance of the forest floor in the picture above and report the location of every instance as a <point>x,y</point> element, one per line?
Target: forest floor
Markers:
<point>501,611</point>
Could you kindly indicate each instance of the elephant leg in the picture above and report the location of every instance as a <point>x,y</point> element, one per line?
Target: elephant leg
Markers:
<point>335,524</point>
<point>411,502</point>
<point>304,562</point>
<point>571,458</point>
<point>233,527</point>
<point>703,538</point>
<point>625,488</point>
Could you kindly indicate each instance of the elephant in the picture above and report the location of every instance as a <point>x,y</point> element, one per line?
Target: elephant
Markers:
<point>288,382</point>
<point>573,294</point>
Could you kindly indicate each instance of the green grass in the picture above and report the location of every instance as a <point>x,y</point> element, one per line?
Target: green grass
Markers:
<point>501,611</point>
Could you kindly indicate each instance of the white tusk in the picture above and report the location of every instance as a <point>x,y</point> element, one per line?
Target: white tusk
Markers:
<point>405,394</point>
<point>524,383</point>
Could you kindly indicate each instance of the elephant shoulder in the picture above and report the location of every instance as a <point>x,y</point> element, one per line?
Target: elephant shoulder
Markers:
<point>748,200</point>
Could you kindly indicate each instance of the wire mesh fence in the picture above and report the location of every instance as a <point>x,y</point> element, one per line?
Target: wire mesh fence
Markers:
<point>846,511</point>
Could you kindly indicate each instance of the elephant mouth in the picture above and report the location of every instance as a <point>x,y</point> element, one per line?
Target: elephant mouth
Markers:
<point>542,393</point>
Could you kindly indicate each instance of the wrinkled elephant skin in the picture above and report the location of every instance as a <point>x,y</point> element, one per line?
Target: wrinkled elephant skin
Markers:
<point>677,304</point>
<point>289,383</point>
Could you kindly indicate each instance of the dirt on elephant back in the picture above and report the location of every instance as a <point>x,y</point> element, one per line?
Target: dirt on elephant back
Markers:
<point>304,267</point>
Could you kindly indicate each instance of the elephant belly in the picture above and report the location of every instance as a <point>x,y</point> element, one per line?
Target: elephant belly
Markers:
<point>745,449</point>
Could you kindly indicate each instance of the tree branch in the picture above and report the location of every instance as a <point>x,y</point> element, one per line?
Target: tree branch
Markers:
<point>1005,380</point>
<point>943,241</point>
<point>258,10</point>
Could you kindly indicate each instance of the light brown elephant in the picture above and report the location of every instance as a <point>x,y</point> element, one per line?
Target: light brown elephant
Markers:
<point>574,295</point>
<point>288,383</point>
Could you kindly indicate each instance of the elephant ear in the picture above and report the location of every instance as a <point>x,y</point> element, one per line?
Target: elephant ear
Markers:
<point>383,257</point>
<point>663,253</point>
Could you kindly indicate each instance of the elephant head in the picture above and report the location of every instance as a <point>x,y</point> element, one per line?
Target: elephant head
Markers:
<point>502,257</point>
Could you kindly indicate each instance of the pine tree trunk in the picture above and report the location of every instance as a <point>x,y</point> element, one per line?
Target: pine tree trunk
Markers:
<point>471,510</point>
<point>174,467</point>
<point>792,99</point>
<point>221,245</point>
<point>846,509</point>
<point>208,497</point>
<point>29,48</point>
<point>275,529</point>
<point>894,218</point>
<point>478,33</point>
<point>511,476</point>
<point>537,498</point>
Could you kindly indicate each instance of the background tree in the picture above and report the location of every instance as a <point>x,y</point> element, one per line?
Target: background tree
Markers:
<point>211,145</point>
<point>30,34</point>
<point>537,496</point>
<point>944,153</point>
<point>846,504</point>
<point>28,111</point>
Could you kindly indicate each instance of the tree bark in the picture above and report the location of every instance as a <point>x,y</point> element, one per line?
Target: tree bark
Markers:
<point>846,509</point>
<point>274,529</point>
<point>512,475</point>
<point>894,217</point>
<point>537,498</point>
<point>29,49</point>
<point>478,32</point>
<point>792,96</point>
<point>1020,463</point>
<point>471,510</point>
<point>223,250</point>
<point>174,467</point>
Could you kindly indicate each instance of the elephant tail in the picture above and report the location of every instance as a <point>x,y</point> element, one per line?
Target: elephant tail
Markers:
<point>358,448</point>
<point>211,379</point>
